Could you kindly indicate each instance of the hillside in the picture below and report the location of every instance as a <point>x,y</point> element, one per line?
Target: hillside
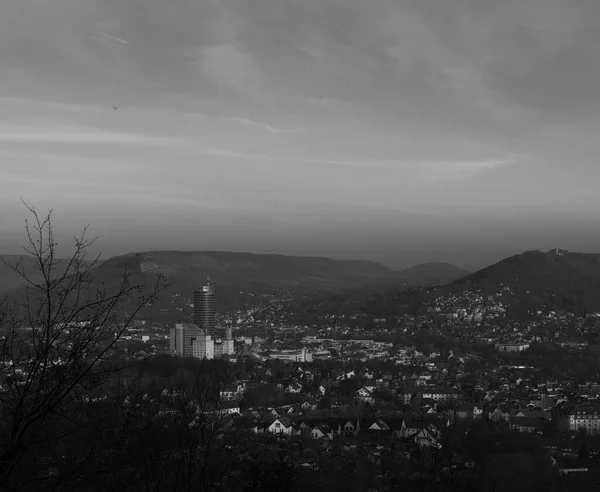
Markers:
<point>556,279</point>
<point>531,281</point>
<point>432,273</point>
<point>11,280</point>
<point>241,279</point>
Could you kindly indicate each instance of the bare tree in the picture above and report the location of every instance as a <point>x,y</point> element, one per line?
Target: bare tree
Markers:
<point>53,351</point>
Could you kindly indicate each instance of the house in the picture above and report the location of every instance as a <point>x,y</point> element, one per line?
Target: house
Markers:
<point>499,414</point>
<point>309,406</point>
<point>405,397</point>
<point>408,428</point>
<point>322,431</point>
<point>228,394</point>
<point>299,430</point>
<point>379,425</point>
<point>426,437</point>
<point>281,426</point>
<point>293,388</point>
<point>260,428</point>
<point>511,347</point>
<point>349,427</point>
<point>308,376</point>
<point>441,394</point>
<point>365,395</point>
<point>526,424</point>
<point>305,426</point>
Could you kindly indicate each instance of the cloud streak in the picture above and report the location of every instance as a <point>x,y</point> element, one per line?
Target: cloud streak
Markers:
<point>75,136</point>
<point>264,126</point>
<point>443,167</point>
<point>99,33</point>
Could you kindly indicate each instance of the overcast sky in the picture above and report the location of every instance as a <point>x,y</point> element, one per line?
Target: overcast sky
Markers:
<point>395,130</point>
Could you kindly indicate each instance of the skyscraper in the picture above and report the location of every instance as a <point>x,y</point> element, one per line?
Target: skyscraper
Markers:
<point>183,337</point>
<point>204,309</point>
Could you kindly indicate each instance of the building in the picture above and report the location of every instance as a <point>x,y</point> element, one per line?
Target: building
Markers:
<point>281,426</point>
<point>511,347</point>
<point>293,356</point>
<point>228,347</point>
<point>203,347</point>
<point>204,309</point>
<point>228,333</point>
<point>183,337</point>
<point>441,394</point>
<point>585,418</point>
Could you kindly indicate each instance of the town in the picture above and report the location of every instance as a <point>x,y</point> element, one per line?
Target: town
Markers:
<point>414,386</point>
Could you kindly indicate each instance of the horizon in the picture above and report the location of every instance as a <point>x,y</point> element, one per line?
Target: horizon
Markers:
<point>397,132</point>
<point>391,267</point>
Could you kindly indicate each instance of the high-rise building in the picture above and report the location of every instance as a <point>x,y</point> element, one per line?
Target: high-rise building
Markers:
<point>204,309</point>
<point>183,337</point>
<point>228,333</point>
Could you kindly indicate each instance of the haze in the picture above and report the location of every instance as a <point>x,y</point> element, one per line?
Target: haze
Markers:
<point>397,131</point>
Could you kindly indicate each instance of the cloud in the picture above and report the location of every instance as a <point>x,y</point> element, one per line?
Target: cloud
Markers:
<point>99,33</point>
<point>458,170</point>
<point>68,135</point>
<point>448,168</point>
<point>264,126</point>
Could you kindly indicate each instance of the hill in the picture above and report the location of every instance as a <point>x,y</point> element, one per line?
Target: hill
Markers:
<point>432,273</point>
<point>556,279</point>
<point>527,282</point>
<point>11,280</point>
<point>241,279</point>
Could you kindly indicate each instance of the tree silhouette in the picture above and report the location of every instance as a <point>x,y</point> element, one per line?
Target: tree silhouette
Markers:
<point>56,339</point>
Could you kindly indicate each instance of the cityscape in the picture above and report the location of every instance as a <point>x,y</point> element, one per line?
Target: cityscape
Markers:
<point>299,245</point>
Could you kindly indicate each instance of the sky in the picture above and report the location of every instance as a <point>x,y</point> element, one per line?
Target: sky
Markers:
<point>400,131</point>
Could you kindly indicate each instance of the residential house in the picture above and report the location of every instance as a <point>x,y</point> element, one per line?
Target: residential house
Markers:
<point>365,395</point>
<point>322,431</point>
<point>229,394</point>
<point>293,388</point>
<point>309,405</point>
<point>526,424</point>
<point>349,427</point>
<point>281,426</point>
<point>427,437</point>
<point>499,413</point>
<point>379,425</point>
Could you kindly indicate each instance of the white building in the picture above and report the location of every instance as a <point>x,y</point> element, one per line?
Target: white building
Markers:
<point>228,347</point>
<point>203,347</point>
<point>282,426</point>
<point>293,356</point>
<point>587,418</point>
<point>511,347</point>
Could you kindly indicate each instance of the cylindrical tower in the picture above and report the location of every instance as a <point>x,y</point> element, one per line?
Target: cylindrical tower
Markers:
<point>204,309</point>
